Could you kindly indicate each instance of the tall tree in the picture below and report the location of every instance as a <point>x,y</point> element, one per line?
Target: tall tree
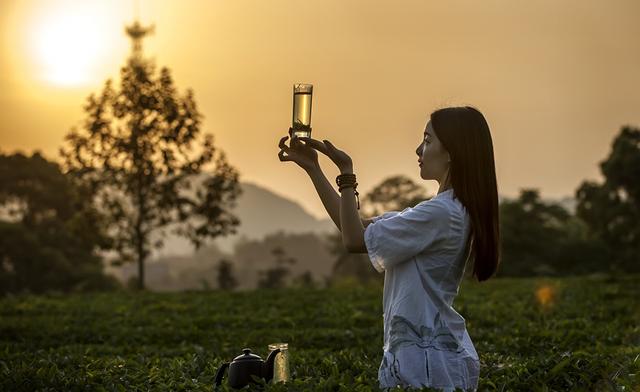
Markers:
<point>140,150</point>
<point>612,209</point>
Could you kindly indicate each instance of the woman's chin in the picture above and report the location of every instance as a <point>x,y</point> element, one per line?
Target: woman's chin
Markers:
<point>426,176</point>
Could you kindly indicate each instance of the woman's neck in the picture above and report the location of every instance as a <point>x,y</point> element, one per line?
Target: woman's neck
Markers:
<point>444,189</point>
<point>445,184</point>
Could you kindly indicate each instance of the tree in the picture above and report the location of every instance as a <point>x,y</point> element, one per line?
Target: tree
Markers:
<point>308,248</point>
<point>530,230</point>
<point>543,238</point>
<point>51,234</point>
<point>274,277</point>
<point>393,194</point>
<point>226,280</point>
<point>612,209</point>
<point>140,151</point>
<point>305,279</point>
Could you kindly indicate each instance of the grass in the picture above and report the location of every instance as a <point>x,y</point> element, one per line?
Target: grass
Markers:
<point>579,333</point>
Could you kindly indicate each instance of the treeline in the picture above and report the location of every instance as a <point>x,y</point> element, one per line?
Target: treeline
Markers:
<point>52,234</point>
<point>601,235</point>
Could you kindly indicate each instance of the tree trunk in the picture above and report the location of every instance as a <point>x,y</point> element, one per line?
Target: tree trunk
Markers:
<point>138,162</point>
<point>140,264</point>
<point>140,249</point>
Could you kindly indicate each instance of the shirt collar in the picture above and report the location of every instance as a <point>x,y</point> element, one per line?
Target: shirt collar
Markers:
<point>447,193</point>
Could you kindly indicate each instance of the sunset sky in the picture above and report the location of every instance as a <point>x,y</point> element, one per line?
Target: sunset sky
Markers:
<point>556,80</point>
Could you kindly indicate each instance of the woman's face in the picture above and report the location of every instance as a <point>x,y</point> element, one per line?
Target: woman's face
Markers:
<point>432,156</point>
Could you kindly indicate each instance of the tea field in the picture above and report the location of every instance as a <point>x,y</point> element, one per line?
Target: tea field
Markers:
<point>534,334</point>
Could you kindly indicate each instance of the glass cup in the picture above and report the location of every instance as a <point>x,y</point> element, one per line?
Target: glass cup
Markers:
<point>301,122</point>
<point>281,362</point>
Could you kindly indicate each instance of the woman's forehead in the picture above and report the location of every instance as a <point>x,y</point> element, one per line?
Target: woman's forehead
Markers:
<point>428,129</point>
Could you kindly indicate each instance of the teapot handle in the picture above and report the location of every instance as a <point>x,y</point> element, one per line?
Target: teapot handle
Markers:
<point>268,365</point>
<point>220,373</point>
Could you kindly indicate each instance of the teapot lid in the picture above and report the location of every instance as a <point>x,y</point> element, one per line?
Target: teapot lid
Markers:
<point>247,356</point>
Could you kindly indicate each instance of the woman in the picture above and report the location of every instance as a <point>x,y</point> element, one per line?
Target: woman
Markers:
<point>423,250</point>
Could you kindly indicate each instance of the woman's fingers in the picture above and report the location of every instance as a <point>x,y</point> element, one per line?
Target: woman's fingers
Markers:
<point>283,157</point>
<point>282,144</point>
<point>295,142</point>
<point>308,140</point>
<point>316,144</point>
<point>294,138</point>
<point>284,149</point>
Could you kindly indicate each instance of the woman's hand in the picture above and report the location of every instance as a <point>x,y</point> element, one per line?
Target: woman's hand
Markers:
<point>303,155</point>
<point>339,157</point>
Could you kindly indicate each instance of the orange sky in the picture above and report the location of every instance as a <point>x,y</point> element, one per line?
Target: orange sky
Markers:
<point>555,79</point>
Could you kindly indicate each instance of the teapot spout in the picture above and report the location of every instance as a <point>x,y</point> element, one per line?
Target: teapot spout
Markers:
<point>268,365</point>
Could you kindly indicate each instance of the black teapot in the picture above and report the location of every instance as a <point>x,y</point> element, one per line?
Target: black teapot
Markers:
<point>246,365</point>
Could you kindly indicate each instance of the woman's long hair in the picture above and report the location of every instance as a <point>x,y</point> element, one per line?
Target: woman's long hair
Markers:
<point>464,132</point>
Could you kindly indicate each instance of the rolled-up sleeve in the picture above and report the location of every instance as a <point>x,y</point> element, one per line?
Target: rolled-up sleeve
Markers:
<point>400,236</point>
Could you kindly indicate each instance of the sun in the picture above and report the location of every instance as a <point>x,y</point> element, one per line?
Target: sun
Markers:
<point>68,43</point>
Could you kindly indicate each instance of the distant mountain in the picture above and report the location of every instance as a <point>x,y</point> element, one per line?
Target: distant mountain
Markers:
<point>261,212</point>
<point>267,221</point>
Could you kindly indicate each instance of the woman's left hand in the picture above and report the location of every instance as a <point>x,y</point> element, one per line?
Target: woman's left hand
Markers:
<point>339,157</point>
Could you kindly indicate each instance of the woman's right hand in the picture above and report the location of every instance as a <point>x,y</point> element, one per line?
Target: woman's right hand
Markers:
<point>303,155</point>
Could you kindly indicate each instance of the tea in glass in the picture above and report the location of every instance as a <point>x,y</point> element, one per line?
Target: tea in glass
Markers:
<point>301,123</point>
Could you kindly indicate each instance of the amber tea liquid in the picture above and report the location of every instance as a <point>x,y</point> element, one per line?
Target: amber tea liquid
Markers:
<point>302,96</point>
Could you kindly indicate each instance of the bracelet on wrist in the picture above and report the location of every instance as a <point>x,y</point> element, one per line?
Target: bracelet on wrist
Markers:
<point>348,180</point>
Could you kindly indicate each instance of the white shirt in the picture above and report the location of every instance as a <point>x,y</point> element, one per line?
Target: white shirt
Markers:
<point>422,251</point>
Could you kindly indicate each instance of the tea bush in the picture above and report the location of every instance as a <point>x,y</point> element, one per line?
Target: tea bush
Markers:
<point>531,334</point>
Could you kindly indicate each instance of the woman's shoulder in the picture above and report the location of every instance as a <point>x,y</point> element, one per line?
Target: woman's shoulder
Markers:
<point>434,208</point>
<point>443,205</point>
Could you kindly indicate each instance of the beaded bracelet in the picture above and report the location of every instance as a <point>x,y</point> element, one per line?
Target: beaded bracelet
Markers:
<point>348,180</point>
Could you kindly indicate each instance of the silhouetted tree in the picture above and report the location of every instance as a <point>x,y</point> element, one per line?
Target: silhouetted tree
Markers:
<point>543,238</point>
<point>393,194</point>
<point>309,250</point>
<point>529,231</point>
<point>226,280</point>
<point>51,234</point>
<point>612,209</point>
<point>140,150</point>
<point>275,277</point>
<point>305,279</point>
